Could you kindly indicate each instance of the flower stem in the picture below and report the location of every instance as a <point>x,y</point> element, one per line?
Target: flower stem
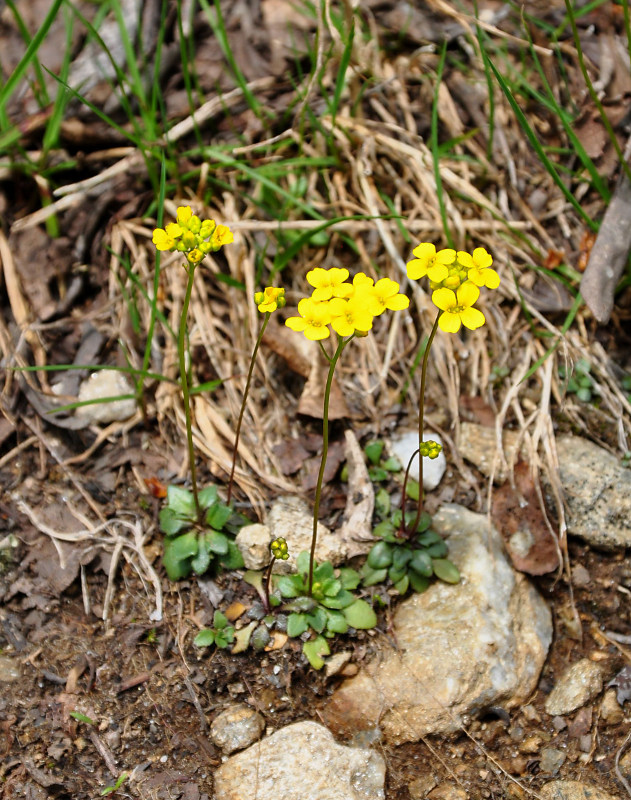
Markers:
<point>421,419</point>
<point>266,584</point>
<point>325,450</point>
<point>243,402</point>
<point>184,383</point>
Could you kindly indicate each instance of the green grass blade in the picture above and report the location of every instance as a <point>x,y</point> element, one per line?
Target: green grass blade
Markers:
<point>578,302</point>
<point>51,134</point>
<point>434,146</point>
<point>39,88</point>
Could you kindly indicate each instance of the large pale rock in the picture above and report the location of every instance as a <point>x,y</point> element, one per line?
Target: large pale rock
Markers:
<point>237,727</point>
<point>597,490</point>
<point>253,542</point>
<point>478,444</point>
<point>301,762</point>
<point>460,648</point>
<point>572,790</point>
<point>404,447</point>
<point>578,685</point>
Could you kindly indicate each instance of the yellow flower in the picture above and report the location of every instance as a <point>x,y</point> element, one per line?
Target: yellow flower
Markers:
<point>194,256</point>
<point>429,262</point>
<point>162,240</point>
<point>478,266</point>
<point>349,316</point>
<point>184,214</point>
<point>329,283</point>
<point>456,308</point>
<point>221,235</point>
<point>313,320</point>
<point>270,299</point>
<point>384,295</point>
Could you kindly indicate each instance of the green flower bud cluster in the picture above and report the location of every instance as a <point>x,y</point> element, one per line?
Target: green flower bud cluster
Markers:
<point>279,549</point>
<point>430,449</point>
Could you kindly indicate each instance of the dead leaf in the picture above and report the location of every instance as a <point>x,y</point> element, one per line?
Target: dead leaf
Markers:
<point>334,459</point>
<point>291,455</point>
<point>234,611</point>
<point>476,409</point>
<point>277,642</point>
<point>528,539</point>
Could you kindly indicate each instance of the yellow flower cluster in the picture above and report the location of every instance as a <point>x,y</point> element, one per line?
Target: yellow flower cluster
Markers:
<point>270,299</point>
<point>349,308</point>
<point>455,278</point>
<point>192,236</point>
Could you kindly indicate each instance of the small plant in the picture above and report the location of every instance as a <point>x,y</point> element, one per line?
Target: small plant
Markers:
<point>408,562</point>
<point>119,782</point>
<point>326,608</point>
<point>578,380</point>
<point>191,546</point>
<point>221,634</point>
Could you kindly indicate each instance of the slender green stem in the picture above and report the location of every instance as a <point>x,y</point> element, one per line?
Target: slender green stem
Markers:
<point>243,402</point>
<point>266,584</point>
<point>184,383</point>
<point>325,450</point>
<point>421,420</point>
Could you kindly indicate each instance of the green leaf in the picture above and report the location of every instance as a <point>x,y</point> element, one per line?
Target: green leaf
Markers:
<point>412,489</point>
<point>403,585</point>
<point>425,520</point>
<point>302,562</point>
<point>445,570</point>
<point>181,501</point>
<point>341,600</point>
<point>178,553</point>
<point>349,578</point>
<point>324,572</point>
<point>224,638</point>
<point>373,451</point>
<point>377,474</point>
<point>301,604</point>
<point>233,558</point>
<point>372,576</point>
<point>296,625</point>
<point>220,621</point>
<point>392,464</point>
<point>82,718</point>
<point>205,638</point>
<point>260,638</point>
<point>217,515</point>
<point>360,615</point>
<point>317,619</point>
<point>401,556</point>
<point>382,502</point>
<point>395,574</point>
<point>438,550</point>
<point>422,563</point>
<point>202,560</point>
<point>314,650</point>
<point>418,582</point>
<point>207,497</point>
<point>380,555</point>
<point>217,542</point>
<point>384,528</point>
<point>336,621</point>
<point>290,585</point>
<point>170,522</point>
<point>429,537</point>
<point>331,587</point>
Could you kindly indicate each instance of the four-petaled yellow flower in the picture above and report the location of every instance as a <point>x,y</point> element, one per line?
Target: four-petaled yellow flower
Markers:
<point>313,320</point>
<point>270,299</point>
<point>329,283</point>
<point>429,262</point>
<point>349,316</point>
<point>457,308</point>
<point>478,268</point>
<point>385,295</point>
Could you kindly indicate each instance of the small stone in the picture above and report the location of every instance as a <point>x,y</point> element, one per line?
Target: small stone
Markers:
<point>531,744</point>
<point>447,792</point>
<point>336,663</point>
<point>610,711</point>
<point>572,790</point>
<point>580,576</point>
<point>404,446</point>
<point>9,669</point>
<point>301,762</point>
<point>551,760</point>
<point>419,788</point>
<point>237,727</point>
<point>578,686</point>
<point>102,384</point>
<point>253,542</point>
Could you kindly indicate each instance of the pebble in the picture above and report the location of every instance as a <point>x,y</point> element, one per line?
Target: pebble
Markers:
<point>573,790</point>
<point>578,685</point>
<point>404,446</point>
<point>253,542</point>
<point>551,760</point>
<point>237,727</point>
<point>106,383</point>
<point>9,669</point>
<point>610,711</point>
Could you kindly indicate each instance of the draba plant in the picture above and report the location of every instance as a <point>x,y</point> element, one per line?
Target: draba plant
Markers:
<point>195,522</point>
<point>349,309</point>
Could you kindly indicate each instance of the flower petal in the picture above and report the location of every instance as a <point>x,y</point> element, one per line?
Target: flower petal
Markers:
<point>296,323</point>
<point>416,269</point>
<point>467,294</point>
<point>398,302</point>
<point>425,250</point>
<point>444,299</point>
<point>448,321</point>
<point>472,318</point>
<point>492,279</point>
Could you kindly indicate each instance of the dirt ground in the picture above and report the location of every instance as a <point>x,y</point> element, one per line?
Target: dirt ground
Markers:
<point>149,694</point>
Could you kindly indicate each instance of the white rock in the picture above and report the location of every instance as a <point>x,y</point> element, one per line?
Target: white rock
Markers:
<point>253,542</point>
<point>478,444</point>
<point>578,685</point>
<point>101,384</point>
<point>301,762</point>
<point>9,670</point>
<point>403,448</point>
<point>460,648</point>
<point>237,727</point>
<point>597,491</point>
<point>572,790</point>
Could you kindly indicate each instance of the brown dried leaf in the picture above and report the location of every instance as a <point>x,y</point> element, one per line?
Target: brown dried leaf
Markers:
<point>291,455</point>
<point>528,539</point>
<point>476,409</point>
